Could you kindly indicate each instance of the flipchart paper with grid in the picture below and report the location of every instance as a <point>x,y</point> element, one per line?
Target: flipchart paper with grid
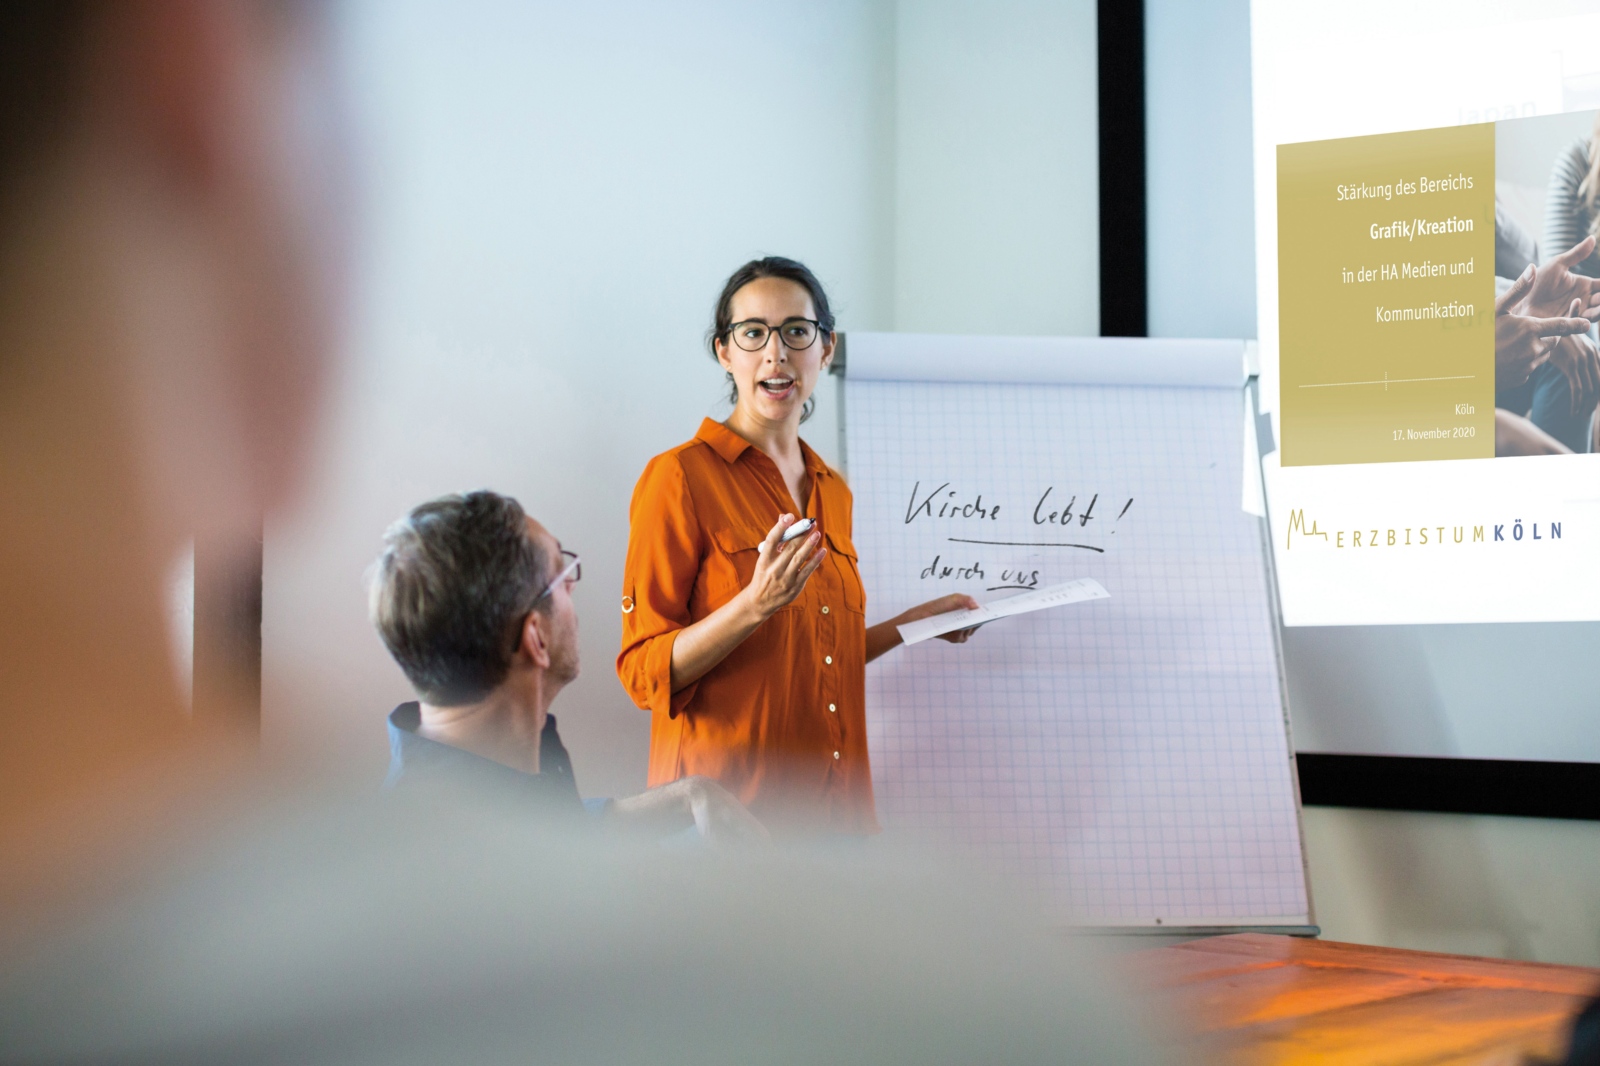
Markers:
<point>1128,755</point>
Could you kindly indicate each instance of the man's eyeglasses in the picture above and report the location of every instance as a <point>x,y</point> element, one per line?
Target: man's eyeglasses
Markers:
<point>797,334</point>
<point>574,570</point>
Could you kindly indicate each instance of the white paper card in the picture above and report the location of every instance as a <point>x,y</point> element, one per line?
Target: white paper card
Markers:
<point>1077,591</point>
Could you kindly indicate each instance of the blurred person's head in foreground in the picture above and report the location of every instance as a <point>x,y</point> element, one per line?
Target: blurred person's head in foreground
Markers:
<point>170,275</point>
<point>473,598</point>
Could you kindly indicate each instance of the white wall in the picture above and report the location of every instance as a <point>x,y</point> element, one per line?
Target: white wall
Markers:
<point>996,171</point>
<point>1200,204</point>
<point>1519,887</point>
<point>557,193</point>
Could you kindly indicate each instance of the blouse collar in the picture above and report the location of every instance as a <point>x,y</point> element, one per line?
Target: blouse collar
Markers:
<point>729,445</point>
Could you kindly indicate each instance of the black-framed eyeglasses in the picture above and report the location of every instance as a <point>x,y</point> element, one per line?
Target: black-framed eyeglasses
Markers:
<point>574,569</point>
<point>797,334</point>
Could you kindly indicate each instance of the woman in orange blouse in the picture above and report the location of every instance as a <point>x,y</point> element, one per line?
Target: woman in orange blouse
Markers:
<point>751,654</point>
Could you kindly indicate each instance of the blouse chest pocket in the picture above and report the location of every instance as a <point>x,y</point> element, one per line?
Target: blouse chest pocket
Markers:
<point>732,566</point>
<point>842,556</point>
<point>735,566</point>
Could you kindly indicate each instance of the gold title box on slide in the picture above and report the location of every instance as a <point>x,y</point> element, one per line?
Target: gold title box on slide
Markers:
<point>1386,297</point>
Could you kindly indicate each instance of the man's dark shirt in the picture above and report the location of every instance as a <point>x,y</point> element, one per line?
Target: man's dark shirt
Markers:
<point>414,759</point>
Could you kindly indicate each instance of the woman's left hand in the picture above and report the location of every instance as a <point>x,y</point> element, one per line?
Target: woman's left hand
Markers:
<point>886,635</point>
<point>956,601</point>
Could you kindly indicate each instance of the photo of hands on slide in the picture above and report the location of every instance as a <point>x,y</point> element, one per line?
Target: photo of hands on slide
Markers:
<point>1547,363</point>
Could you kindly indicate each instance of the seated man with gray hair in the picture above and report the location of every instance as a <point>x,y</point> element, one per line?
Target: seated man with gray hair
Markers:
<point>472,597</point>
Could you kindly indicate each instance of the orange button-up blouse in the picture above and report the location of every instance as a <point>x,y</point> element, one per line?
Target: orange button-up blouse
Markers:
<point>781,722</point>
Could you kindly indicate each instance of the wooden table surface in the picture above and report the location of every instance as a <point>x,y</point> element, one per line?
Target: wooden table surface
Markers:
<point>1254,998</point>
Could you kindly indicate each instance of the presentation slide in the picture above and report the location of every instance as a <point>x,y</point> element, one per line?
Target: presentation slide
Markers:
<point>1427,188</point>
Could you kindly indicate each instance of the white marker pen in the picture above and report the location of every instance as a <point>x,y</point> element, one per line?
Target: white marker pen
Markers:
<point>799,529</point>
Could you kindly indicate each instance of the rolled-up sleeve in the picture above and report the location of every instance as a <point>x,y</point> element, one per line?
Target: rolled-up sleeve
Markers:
<point>658,580</point>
